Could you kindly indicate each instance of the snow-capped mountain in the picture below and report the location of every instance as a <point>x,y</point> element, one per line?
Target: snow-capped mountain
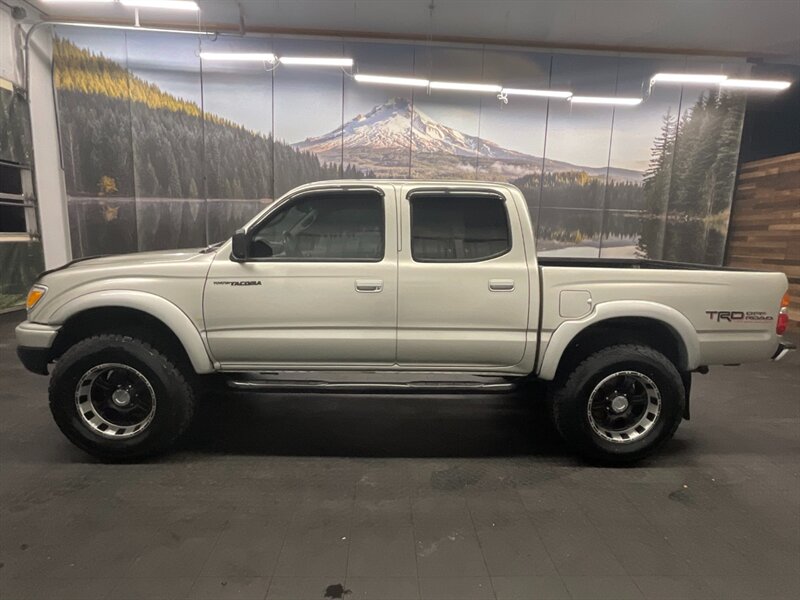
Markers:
<point>388,126</point>
<point>381,139</point>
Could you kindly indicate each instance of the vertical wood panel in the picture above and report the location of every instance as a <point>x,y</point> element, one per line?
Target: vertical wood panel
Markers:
<point>765,225</point>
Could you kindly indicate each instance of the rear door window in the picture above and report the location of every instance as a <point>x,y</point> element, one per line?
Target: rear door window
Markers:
<point>458,228</point>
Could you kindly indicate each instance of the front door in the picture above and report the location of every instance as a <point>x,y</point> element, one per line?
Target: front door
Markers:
<point>463,280</point>
<point>319,287</point>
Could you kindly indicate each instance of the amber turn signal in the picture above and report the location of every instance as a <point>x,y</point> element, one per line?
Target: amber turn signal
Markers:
<point>34,296</point>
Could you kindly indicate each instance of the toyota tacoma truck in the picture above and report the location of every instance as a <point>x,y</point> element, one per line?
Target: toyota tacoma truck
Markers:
<point>385,285</point>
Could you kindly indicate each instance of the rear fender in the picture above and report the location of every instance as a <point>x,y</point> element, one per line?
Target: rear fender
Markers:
<point>566,332</point>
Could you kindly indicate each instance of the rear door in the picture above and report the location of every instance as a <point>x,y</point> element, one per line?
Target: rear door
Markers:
<point>463,280</point>
<point>320,287</point>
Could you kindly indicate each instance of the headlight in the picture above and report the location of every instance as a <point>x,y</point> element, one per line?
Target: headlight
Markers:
<point>34,296</point>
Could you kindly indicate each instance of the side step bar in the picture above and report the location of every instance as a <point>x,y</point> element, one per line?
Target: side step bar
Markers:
<point>441,387</point>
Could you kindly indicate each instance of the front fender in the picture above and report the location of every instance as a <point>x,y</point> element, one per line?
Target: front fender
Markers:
<point>156,306</point>
<point>566,332</point>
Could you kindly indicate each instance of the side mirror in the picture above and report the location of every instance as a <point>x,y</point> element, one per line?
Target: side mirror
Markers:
<point>240,243</point>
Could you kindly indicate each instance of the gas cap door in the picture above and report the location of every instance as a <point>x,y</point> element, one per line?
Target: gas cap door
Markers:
<point>574,304</point>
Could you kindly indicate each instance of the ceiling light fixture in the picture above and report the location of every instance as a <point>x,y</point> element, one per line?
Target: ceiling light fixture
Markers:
<point>129,27</point>
<point>79,1</point>
<point>163,4</point>
<point>465,87</point>
<point>239,56</point>
<point>605,100</point>
<point>387,80</point>
<point>756,84</point>
<point>316,61</point>
<point>697,78</point>
<point>537,93</point>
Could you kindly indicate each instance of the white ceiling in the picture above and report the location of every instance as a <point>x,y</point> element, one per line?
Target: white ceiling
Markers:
<point>768,29</point>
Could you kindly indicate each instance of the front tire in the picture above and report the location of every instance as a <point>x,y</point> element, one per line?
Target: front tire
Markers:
<point>119,398</point>
<point>619,404</point>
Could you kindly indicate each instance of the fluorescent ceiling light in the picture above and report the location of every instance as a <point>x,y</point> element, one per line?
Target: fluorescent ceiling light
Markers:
<point>131,27</point>
<point>166,4</point>
<point>465,87</point>
<point>756,84</point>
<point>79,1</point>
<point>606,100</point>
<point>239,56</point>
<point>316,61</point>
<point>386,80</point>
<point>688,78</point>
<point>539,93</point>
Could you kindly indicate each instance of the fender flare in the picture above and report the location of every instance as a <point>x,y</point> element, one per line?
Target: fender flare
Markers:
<point>566,332</point>
<point>155,306</point>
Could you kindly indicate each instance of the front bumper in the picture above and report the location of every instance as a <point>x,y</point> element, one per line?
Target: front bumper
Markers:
<point>783,349</point>
<point>34,359</point>
<point>34,341</point>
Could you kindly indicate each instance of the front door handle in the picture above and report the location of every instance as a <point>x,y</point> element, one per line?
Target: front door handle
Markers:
<point>501,285</point>
<point>369,286</point>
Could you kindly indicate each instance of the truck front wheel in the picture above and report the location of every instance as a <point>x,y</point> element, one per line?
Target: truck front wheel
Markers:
<point>119,398</point>
<point>619,404</point>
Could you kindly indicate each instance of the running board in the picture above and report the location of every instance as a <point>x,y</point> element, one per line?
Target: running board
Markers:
<point>310,385</point>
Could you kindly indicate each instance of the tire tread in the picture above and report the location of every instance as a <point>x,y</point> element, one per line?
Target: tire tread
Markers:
<point>178,378</point>
<point>566,387</point>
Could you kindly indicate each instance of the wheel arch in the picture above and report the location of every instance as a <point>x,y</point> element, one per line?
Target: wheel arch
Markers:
<point>131,312</point>
<point>656,325</point>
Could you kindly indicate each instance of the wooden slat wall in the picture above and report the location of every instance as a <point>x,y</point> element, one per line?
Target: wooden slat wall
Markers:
<point>765,224</point>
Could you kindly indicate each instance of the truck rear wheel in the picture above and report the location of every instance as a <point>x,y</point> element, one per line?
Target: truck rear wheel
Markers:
<point>619,404</point>
<point>118,398</point>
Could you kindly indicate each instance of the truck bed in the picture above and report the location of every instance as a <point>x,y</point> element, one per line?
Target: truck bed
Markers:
<point>727,315</point>
<point>628,263</point>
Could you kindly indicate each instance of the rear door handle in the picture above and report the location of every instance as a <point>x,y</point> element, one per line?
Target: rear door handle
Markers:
<point>368,286</point>
<point>501,285</point>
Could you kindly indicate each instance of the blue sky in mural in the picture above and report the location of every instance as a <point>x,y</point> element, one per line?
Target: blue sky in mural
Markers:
<point>396,60</point>
<point>239,91</point>
<point>178,66</point>
<point>308,101</point>
<point>459,110</point>
<point>387,108</point>
<point>520,124</point>
<point>580,133</point>
<point>635,129</point>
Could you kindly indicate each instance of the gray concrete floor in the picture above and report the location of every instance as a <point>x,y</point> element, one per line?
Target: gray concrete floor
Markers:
<point>377,497</point>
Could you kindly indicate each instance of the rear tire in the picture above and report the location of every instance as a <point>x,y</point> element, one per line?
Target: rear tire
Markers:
<point>119,398</point>
<point>619,404</point>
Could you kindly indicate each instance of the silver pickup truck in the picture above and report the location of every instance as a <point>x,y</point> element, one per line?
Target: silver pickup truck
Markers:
<point>390,285</point>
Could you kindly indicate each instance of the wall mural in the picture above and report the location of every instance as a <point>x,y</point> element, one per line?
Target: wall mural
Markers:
<point>20,261</point>
<point>162,152</point>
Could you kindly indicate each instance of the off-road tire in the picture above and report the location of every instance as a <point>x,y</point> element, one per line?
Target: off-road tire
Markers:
<point>570,393</point>
<point>174,406</point>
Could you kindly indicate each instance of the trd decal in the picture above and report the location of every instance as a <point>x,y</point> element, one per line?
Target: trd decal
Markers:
<point>237,283</point>
<point>738,315</point>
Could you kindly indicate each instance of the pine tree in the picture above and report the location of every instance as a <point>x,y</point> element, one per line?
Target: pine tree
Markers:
<point>147,182</point>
